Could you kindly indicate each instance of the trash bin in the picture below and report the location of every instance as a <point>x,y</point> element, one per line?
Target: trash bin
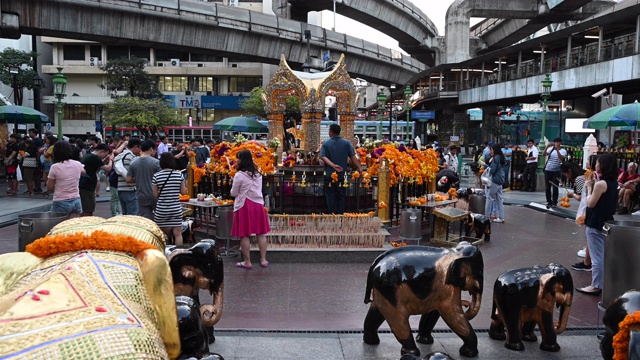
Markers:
<point>621,254</point>
<point>224,222</point>
<point>477,203</point>
<point>410,224</point>
<point>36,225</point>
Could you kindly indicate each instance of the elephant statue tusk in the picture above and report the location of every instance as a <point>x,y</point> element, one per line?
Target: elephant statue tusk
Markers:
<point>474,306</point>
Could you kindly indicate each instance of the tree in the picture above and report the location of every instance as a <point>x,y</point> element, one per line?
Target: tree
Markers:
<point>254,104</point>
<point>292,110</point>
<point>129,74</point>
<point>24,78</point>
<point>146,114</point>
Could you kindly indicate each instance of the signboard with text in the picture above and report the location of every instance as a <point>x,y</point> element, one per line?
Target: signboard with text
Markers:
<point>423,115</point>
<point>205,102</point>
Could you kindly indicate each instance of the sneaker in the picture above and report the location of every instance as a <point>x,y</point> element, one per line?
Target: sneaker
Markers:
<point>581,266</point>
<point>498,220</point>
<point>582,253</point>
<point>623,211</point>
<point>108,189</point>
<point>636,213</point>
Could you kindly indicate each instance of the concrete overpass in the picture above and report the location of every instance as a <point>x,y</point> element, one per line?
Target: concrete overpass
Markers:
<point>203,27</point>
<point>400,19</point>
<point>498,33</point>
<point>503,33</point>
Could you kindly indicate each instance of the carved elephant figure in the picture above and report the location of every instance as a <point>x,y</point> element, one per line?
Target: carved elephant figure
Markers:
<point>91,289</point>
<point>194,340</point>
<point>626,304</point>
<point>480,225</point>
<point>525,297</point>
<point>198,268</point>
<point>424,280</point>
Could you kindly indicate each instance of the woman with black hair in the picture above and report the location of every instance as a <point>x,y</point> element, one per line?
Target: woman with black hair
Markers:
<point>249,216</point>
<point>494,207</point>
<point>167,186</point>
<point>601,206</point>
<point>62,181</point>
<point>576,179</point>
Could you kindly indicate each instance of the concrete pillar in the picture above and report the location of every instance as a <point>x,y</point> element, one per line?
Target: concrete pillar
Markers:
<point>441,79</point>
<point>600,34</point>
<point>568,65</point>
<point>542,71</point>
<point>499,69</point>
<point>482,76</point>
<point>457,33</point>
<point>519,62</point>
<point>635,46</point>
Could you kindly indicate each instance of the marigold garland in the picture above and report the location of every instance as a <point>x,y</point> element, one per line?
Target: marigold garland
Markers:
<point>413,165</point>
<point>334,177</point>
<point>453,192</point>
<point>224,157</point>
<point>97,240</point>
<point>621,339</point>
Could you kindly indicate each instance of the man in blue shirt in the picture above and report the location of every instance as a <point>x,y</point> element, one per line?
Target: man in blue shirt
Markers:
<point>334,153</point>
<point>506,151</point>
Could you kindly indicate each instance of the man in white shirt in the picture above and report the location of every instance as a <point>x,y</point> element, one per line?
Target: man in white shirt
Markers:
<point>451,159</point>
<point>552,175</point>
<point>163,147</point>
<point>529,175</point>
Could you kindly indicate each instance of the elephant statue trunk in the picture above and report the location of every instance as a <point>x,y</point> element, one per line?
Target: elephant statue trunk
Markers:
<point>565,309</point>
<point>474,307</point>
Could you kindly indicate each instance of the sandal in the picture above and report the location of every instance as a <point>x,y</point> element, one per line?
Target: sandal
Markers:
<point>27,193</point>
<point>590,290</point>
<point>265,264</point>
<point>243,266</point>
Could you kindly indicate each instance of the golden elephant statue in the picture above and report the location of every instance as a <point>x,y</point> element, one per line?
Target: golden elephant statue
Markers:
<point>91,289</point>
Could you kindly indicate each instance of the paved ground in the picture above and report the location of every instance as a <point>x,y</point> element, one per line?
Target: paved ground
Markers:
<point>294,310</point>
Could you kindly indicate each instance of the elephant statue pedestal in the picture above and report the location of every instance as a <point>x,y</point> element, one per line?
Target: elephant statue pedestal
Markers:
<point>427,281</point>
<point>525,297</point>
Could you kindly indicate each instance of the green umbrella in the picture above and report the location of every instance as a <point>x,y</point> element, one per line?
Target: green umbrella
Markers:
<point>22,115</point>
<point>621,115</point>
<point>240,124</point>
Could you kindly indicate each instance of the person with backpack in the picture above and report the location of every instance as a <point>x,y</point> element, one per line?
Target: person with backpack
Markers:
<point>127,191</point>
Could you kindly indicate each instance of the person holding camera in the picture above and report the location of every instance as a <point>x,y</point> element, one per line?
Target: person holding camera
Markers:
<point>555,156</point>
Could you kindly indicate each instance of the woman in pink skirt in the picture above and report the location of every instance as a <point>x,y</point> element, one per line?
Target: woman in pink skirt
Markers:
<point>249,216</point>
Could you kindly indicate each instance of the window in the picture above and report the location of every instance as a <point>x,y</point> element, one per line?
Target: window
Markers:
<point>205,83</point>
<point>79,112</point>
<point>167,55</point>
<point>73,52</point>
<point>244,84</point>
<point>116,52</point>
<point>173,83</point>
<point>95,51</point>
<point>205,58</point>
<point>139,52</point>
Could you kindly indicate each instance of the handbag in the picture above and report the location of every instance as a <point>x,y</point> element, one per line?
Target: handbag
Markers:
<point>29,162</point>
<point>119,165</point>
<point>485,178</point>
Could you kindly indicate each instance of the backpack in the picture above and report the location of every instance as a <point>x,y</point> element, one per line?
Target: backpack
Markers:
<point>118,165</point>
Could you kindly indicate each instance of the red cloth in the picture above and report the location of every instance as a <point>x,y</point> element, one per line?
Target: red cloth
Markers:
<point>250,219</point>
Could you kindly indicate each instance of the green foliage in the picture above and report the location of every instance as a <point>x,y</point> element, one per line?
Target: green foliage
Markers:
<point>24,79</point>
<point>141,113</point>
<point>254,104</point>
<point>293,108</point>
<point>129,74</point>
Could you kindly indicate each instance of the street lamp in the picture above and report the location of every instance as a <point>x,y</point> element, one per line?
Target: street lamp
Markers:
<point>59,89</point>
<point>546,94</point>
<point>407,105</point>
<point>37,85</point>
<point>382,100</point>
<point>392,88</point>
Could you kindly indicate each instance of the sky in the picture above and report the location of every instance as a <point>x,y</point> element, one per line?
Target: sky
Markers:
<point>434,9</point>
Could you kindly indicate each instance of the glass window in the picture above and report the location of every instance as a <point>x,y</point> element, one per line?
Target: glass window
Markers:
<point>243,84</point>
<point>116,52</point>
<point>167,55</point>
<point>205,58</point>
<point>139,52</point>
<point>95,51</point>
<point>205,83</point>
<point>79,112</point>
<point>73,52</point>
<point>372,129</point>
<point>173,83</point>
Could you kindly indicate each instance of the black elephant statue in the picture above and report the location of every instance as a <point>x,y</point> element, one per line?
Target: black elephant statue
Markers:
<point>525,297</point>
<point>626,304</point>
<point>478,224</point>
<point>194,340</point>
<point>429,281</point>
<point>198,268</point>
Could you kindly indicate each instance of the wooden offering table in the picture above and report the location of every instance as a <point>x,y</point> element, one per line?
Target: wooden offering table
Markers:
<point>443,218</point>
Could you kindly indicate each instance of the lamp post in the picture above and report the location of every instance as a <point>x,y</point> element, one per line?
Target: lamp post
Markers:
<point>382,99</point>
<point>59,89</point>
<point>392,88</point>
<point>37,85</point>
<point>407,105</point>
<point>546,94</point>
<point>196,104</point>
<point>15,70</point>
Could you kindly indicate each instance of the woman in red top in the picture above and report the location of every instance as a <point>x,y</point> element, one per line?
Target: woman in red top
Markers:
<point>627,181</point>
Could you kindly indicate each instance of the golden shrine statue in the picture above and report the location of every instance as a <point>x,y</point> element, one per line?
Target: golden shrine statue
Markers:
<point>90,289</point>
<point>311,89</point>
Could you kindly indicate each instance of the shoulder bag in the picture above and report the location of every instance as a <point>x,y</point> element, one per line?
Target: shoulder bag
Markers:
<point>165,183</point>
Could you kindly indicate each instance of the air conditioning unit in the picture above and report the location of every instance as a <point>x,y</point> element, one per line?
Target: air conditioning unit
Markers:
<point>175,62</point>
<point>94,61</point>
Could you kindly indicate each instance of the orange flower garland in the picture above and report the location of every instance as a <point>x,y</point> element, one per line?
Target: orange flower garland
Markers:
<point>198,173</point>
<point>621,339</point>
<point>224,156</point>
<point>414,165</point>
<point>355,175</point>
<point>362,153</point>
<point>98,240</point>
<point>334,177</point>
<point>453,192</point>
